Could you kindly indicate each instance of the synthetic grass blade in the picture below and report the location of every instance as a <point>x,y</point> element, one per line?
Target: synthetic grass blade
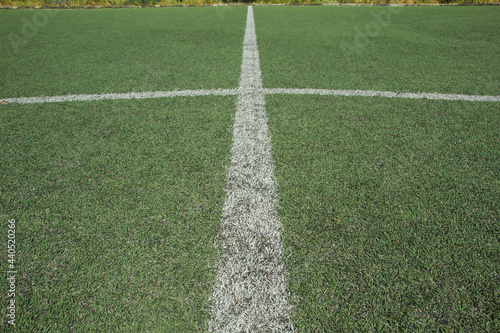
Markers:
<point>250,292</point>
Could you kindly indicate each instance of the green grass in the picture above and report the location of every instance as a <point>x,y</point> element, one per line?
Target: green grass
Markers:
<point>390,211</point>
<point>390,206</point>
<point>421,49</point>
<point>119,50</point>
<point>117,204</point>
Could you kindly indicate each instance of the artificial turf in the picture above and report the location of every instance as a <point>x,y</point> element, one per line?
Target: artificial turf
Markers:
<point>117,205</point>
<point>403,49</point>
<point>390,206</point>
<point>119,50</point>
<point>390,210</point>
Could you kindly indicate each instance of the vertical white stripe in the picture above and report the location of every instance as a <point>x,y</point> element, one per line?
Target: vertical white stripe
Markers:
<point>250,293</point>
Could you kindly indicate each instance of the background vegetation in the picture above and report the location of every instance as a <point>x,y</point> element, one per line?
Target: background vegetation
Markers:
<point>120,3</point>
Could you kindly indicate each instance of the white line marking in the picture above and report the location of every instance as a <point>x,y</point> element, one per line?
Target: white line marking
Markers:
<point>264,91</point>
<point>250,293</point>
<point>132,95</point>
<point>389,94</point>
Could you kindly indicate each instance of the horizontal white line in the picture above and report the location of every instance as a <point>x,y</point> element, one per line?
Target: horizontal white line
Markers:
<point>389,94</point>
<point>132,95</point>
<point>265,91</point>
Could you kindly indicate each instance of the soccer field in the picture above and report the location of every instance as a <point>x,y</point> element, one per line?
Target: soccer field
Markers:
<point>264,169</point>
